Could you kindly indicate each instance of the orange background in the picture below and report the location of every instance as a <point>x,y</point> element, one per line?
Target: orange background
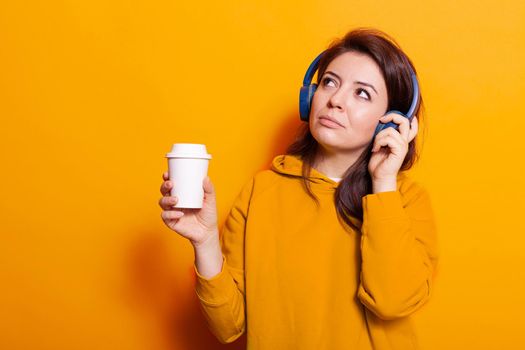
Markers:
<point>93,94</point>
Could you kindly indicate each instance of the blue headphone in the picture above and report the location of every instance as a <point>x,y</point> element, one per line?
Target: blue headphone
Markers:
<point>308,89</point>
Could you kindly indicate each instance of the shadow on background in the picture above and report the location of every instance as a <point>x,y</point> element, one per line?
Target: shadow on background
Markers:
<point>157,291</point>
<point>157,288</point>
<point>284,136</point>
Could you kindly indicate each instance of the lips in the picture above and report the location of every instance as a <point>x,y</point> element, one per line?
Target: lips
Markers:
<point>331,119</point>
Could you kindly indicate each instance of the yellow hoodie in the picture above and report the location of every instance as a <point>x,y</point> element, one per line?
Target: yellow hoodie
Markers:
<point>295,277</point>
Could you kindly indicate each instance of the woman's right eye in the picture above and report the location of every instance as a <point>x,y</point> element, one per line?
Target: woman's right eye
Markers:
<point>326,81</point>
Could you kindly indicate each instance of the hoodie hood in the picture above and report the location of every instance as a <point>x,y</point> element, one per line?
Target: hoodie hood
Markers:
<point>287,164</point>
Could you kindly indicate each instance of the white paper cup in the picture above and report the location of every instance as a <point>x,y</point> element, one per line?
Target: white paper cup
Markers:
<point>187,168</point>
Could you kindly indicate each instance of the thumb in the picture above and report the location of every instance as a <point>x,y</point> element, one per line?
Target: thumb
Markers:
<point>208,186</point>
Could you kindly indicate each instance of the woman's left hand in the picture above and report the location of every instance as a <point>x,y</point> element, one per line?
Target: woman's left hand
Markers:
<point>390,148</point>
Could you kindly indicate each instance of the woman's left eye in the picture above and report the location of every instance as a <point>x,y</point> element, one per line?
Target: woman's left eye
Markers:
<point>366,93</point>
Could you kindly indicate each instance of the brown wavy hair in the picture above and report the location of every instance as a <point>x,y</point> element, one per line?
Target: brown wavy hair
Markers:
<point>394,65</point>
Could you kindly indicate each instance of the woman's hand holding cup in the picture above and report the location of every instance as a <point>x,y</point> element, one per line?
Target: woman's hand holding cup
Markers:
<point>196,224</point>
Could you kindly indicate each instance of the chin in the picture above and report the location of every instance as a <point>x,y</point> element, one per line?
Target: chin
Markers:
<point>330,143</point>
<point>327,135</point>
<point>337,143</point>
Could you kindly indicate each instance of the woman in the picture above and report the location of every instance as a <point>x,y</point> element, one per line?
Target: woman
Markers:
<point>334,247</point>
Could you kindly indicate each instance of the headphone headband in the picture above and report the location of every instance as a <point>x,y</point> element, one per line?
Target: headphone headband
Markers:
<point>312,69</point>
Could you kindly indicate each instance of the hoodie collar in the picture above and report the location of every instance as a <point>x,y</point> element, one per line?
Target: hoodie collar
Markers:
<point>292,165</point>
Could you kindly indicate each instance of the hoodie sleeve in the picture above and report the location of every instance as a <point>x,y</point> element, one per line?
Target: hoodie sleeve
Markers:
<point>398,250</point>
<point>222,297</point>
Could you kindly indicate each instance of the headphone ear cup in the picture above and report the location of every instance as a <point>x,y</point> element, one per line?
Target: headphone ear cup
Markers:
<point>381,126</point>
<point>305,100</point>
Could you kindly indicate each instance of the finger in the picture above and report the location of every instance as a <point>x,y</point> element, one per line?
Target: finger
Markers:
<point>167,203</point>
<point>390,131</point>
<point>389,140</point>
<point>381,142</point>
<point>209,190</point>
<point>171,215</point>
<point>378,141</point>
<point>165,188</point>
<point>414,128</point>
<point>386,131</point>
<point>396,135</point>
<point>165,176</point>
<point>402,121</point>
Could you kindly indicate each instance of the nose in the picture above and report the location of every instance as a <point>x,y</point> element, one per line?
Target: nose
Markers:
<point>337,100</point>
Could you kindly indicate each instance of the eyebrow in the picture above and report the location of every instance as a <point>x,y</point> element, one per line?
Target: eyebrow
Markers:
<point>355,82</point>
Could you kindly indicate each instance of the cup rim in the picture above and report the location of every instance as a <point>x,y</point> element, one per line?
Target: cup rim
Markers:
<point>188,155</point>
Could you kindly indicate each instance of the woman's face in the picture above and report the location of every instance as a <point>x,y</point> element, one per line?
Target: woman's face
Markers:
<point>353,92</point>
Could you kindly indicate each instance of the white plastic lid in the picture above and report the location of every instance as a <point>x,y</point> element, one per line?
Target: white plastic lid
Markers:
<point>188,150</point>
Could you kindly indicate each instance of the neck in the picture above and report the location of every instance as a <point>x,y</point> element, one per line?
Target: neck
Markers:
<point>334,164</point>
